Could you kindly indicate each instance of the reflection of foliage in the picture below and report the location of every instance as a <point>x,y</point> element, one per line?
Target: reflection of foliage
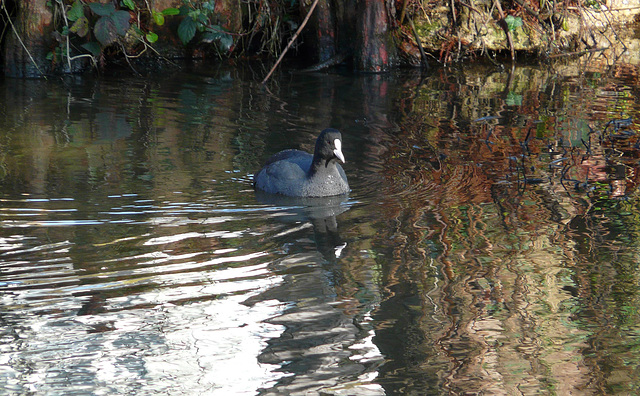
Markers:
<point>249,152</point>
<point>537,213</point>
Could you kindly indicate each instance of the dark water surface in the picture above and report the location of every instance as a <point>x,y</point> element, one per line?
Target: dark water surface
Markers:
<point>490,244</point>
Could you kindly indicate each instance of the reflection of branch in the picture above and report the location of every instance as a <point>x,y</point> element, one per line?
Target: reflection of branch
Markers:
<point>4,8</point>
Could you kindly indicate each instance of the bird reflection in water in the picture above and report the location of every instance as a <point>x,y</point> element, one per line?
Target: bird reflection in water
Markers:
<point>318,331</point>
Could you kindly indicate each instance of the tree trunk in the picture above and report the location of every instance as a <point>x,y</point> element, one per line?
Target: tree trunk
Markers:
<point>374,47</point>
<point>320,33</point>
<point>359,27</point>
<point>33,27</point>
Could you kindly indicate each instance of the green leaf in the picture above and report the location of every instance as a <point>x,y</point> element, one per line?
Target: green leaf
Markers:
<point>105,30</point>
<point>209,5</point>
<point>170,11</point>
<point>210,36</point>
<point>203,19</point>
<point>76,11</point>
<point>129,4</point>
<point>216,33</point>
<point>513,22</point>
<point>194,14</point>
<point>80,26</point>
<point>121,20</point>
<point>93,48</point>
<point>226,42</point>
<point>50,55</point>
<point>102,9</point>
<point>152,37</point>
<point>158,18</point>
<point>187,30</point>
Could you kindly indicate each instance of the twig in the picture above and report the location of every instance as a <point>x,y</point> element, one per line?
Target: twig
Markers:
<point>149,46</point>
<point>578,53</point>
<point>506,29</point>
<point>295,36</point>
<point>93,60</point>
<point>469,6</point>
<point>66,24</point>
<point>613,29</point>
<point>419,43</point>
<point>328,63</point>
<point>15,31</point>
<point>529,10</point>
<point>404,10</point>
<point>126,57</point>
<point>453,13</point>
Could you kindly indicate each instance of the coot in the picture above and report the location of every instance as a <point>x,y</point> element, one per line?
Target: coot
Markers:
<point>296,173</point>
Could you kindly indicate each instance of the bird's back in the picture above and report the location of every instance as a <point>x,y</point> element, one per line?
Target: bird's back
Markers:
<point>284,173</point>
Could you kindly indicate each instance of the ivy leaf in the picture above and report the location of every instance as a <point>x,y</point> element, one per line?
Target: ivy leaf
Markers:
<point>102,9</point>
<point>209,5</point>
<point>513,22</point>
<point>151,37</point>
<point>105,30</point>
<point>76,11</point>
<point>215,33</point>
<point>226,42</point>
<point>92,47</point>
<point>121,20</point>
<point>170,11</point>
<point>187,30</point>
<point>80,26</point>
<point>203,21</point>
<point>158,18</point>
<point>129,4</point>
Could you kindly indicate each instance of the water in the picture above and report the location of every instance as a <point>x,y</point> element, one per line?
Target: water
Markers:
<point>489,245</point>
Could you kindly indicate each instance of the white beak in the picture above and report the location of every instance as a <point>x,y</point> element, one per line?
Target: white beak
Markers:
<point>338,150</point>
